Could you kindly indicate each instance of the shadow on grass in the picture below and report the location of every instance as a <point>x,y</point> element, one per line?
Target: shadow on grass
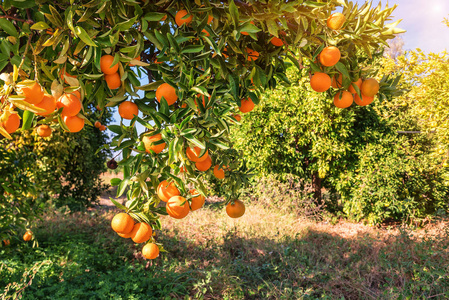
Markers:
<point>89,261</point>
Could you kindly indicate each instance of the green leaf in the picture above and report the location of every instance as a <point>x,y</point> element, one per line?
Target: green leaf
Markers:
<point>8,27</point>
<point>192,49</point>
<point>115,181</point>
<point>82,34</point>
<point>122,187</point>
<point>27,119</point>
<point>39,26</point>
<point>234,13</point>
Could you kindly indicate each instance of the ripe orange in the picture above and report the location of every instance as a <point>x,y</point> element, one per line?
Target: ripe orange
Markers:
<point>44,131</point>
<point>102,128</point>
<point>196,202</point>
<point>206,32</point>
<point>141,233</point>
<point>194,154</point>
<point>74,124</point>
<point>122,223</point>
<point>150,251</point>
<point>33,94</point>
<point>12,123</point>
<point>252,54</point>
<point>6,242</point>
<point>138,57</point>
<point>97,124</point>
<point>235,210</point>
<point>106,64</point>
<point>357,83</point>
<point>70,103</point>
<point>168,92</point>
<point>219,173</point>
<point>127,110</point>
<point>320,82</point>
<point>346,99</point>
<point>336,21</point>
<point>370,87</point>
<point>364,101</point>
<point>247,105</point>
<point>210,18</point>
<point>246,33</point>
<point>204,165</point>
<point>113,80</point>
<point>330,56</point>
<point>167,190</point>
<point>180,20</point>
<point>178,207</point>
<point>337,82</point>
<point>237,117</point>
<point>48,103</point>
<point>277,42</point>
<point>27,236</point>
<point>149,140</point>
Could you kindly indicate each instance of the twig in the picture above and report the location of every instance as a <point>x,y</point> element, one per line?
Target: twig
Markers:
<point>17,19</point>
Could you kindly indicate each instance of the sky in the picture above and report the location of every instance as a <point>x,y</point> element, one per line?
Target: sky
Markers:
<point>421,18</point>
<point>423,21</point>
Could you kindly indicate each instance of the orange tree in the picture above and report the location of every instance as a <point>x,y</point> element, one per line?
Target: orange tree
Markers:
<point>205,61</point>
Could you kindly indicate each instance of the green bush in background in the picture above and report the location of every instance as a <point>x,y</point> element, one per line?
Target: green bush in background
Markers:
<point>373,172</point>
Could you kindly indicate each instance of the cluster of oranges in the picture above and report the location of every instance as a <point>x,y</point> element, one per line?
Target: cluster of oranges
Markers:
<point>329,57</point>
<point>100,126</point>
<point>111,74</point>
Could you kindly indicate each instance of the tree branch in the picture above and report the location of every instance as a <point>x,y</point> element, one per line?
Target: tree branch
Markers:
<point>16,19</point>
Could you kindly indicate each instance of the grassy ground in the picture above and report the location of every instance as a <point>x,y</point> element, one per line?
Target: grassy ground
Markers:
<point>261,255</point>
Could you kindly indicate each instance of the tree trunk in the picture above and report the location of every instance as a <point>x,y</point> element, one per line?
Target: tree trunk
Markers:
<point>316,186</point>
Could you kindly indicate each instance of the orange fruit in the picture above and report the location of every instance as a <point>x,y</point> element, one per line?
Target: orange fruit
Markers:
<point>70,103</point>
<point>74,124</point>
<point>141,233</point>
<point>27,236</point>
<point>194,154</point>
<point>150,251</point>
<point>48,103</point>
<point>164,18</point>
<point>357,83</point>
<point>206,32</point>
<point>252,54</point>
<point>320,82</point>
<point>204,165</point>
<point>44,131</point>
<point>177,207</point>
<point>219,173</point>
<point>370,87</point>
<point>168,92</point>
<point>246,33</point>
<point>345,101</point>
<point>336,21</point>
<point>106,64</point>
<point>6,242</point>
<point>167,190</point>
<point>235,210</point>
<point>237,117</point>
<point>337,82</point>
<point>330,56</point>
<point>102,128</point>
<point>127,110</point>
<point>138,57</point>
<point>33,94</point>
<point>180,20</point>
<point>364,101</point>
<point>277,42</point>
<point>12,123</point>
<point>122,223</point>
<point>196,202</point>
<point>247,105</point>
<point>97,124</point>
<point>149,140</point>
<point>210,18</point>
<point>113,80</point>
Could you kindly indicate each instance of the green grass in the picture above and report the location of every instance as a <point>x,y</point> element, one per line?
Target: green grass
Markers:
<point>263,255</point>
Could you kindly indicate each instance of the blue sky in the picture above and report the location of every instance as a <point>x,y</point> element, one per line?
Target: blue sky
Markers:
<point>421,18</point>
<point>423,21</point>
